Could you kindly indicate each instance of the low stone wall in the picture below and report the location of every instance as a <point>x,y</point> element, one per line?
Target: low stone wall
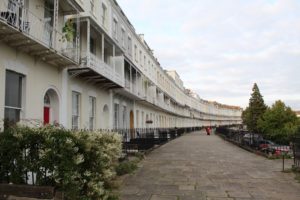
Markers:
<point>27,192</point>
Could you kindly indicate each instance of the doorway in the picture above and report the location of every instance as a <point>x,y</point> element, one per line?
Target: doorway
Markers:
<point>132,135</point>
<point>51,108</point>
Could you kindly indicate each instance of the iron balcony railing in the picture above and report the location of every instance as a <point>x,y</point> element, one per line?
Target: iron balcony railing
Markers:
<point>38,29</point>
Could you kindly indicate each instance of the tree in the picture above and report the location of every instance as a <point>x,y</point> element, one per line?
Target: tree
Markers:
<point>279,123</point>
<point>255,110</point>
<point>245,116</point>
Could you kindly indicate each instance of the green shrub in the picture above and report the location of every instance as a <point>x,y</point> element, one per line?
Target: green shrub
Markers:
<point>139,155</point>
<point>81,164</point>
<point>126,167</point>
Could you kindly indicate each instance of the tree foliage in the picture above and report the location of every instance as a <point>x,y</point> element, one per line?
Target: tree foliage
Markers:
<point>255,110</point>
<point>81,164</point>
<point>279,123</point>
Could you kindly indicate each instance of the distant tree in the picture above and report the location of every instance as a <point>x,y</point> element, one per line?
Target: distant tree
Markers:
<point>245,115</point>
<point>279,123</point>
<point>255,110</point>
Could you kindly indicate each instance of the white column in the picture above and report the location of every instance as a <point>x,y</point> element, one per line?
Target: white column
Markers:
<point>102,46</point>
<point>111,109</point>
<point>2,95</point>
<point>114,58</point>
<point>131,84</point>
<point>88,38</point>
<point>64,100</point>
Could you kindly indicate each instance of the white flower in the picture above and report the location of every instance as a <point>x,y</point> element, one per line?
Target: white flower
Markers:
<point>79,159</point>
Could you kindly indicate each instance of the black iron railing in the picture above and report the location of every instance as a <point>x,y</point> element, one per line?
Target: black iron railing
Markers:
<point>142,139</point>
<point>296,151</point>
<point>256,142</point>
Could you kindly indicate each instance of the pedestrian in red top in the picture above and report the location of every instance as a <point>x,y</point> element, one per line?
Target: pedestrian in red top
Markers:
<point>207,130</point>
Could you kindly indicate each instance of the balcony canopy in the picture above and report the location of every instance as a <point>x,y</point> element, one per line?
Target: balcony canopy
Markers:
<point>70,6</point>
<point>93,77</point>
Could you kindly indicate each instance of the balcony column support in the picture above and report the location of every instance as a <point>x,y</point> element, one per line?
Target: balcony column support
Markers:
<point>136,82</point>
<point>78,52</point>
<point>130,83</point>
<point>114,58</point>
<point>64,99</point>
<point>88,45</point>
<point>102,46</point>
<point>55,22</point>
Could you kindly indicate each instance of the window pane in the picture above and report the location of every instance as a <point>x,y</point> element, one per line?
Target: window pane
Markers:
<point>12,115</point>
<point>75,103</point>
<point>75,110</point>
<point>116,116</point>
<point>92,46</point>
<point>91,123</point>
<point>92,110</point>
<point>124,116</point>
<point>92,106</point>
<point>75,122</point>
<point>13,89</point>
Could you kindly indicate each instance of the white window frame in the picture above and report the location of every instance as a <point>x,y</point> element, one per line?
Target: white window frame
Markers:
<point>123,37</point>
<point>141,57</point>
<point>137,118</point>
<point>92,112</point>
<point>142,119</point>
<point>21,95</point>
<point>104,15</point>
<point>77,114</point>
<point>92,2</point>
<point>93,47</point>
<point>124,117</point>
<point>115,28</point>
<point>136,53</point>
<point>129,45</point>
<point>116,115</point>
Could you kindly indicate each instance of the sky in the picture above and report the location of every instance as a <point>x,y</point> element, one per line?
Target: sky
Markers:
<point>220,48</point>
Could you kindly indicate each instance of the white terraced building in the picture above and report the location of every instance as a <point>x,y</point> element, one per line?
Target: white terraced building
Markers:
<point>81,64</point>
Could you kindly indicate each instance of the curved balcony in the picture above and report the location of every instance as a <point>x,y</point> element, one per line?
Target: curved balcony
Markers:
<point>34,34</point>
<point>96,71</point>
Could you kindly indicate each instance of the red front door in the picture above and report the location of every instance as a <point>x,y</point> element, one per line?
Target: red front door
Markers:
<point>46,115</point>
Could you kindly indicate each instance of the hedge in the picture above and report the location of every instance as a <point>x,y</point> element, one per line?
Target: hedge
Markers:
<point>80,164</point>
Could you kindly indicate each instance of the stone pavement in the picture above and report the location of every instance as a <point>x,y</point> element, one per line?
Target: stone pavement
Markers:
<point>196,167</point>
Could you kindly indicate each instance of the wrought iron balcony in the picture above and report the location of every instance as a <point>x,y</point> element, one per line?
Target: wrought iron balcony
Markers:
<point>23,29</point>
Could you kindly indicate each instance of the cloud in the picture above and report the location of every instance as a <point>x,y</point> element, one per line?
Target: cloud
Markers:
<point>221,47</point>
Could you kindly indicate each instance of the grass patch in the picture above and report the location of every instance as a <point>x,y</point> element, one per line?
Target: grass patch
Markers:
<point>274,157</point>
<point>114,197</point>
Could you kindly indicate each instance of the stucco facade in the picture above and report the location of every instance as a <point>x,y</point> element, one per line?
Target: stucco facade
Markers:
<point>103,76</point>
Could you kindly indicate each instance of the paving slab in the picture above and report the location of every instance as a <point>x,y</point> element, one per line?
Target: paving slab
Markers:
<point>197,166</point>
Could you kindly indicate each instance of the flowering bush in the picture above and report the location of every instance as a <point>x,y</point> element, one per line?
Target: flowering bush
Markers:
<point>81,164</point>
